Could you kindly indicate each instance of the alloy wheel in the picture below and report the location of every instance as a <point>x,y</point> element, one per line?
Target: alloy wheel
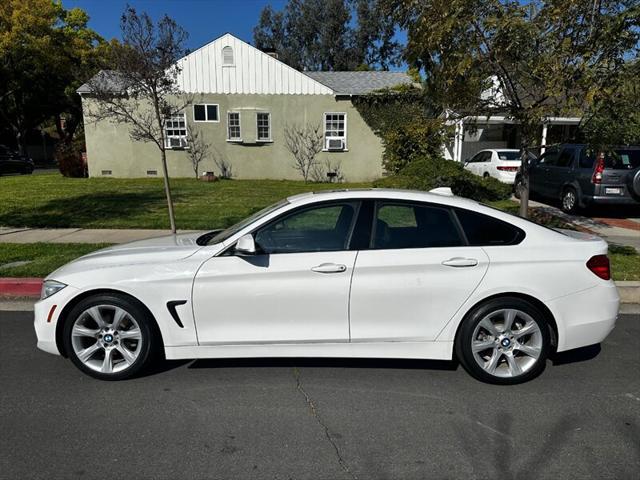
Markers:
<point>569,200</point>
<point>507,343</point>
<point>106,339</point>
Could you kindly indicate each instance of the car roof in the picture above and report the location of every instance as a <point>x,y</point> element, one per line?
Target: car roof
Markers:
<point>382,193</point>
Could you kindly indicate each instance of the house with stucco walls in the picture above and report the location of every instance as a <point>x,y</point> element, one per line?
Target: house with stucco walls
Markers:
<point>242,101</point>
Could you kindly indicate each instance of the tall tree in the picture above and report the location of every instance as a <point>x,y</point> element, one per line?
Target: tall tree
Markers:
<point>142,91</point>
<point>539,59</point>
<point>44,51</point>
<point>319,35</point>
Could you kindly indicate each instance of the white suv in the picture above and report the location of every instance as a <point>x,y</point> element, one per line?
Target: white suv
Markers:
<point>502,164</point>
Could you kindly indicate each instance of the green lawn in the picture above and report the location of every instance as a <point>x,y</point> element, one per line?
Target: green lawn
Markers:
<point>52,200</point>
<point>43,258</point>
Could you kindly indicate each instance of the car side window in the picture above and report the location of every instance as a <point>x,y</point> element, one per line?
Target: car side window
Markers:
<point>322,228</point>
<point>402,225</point>
<point>475,158</point>
<point>550,159</point>
<point>483,230</point>
<point>487,156</point>
<point>565,158</point>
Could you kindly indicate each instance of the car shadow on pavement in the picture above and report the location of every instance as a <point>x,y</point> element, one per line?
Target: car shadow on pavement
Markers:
<point>582,354</point>
<point>326,363</point>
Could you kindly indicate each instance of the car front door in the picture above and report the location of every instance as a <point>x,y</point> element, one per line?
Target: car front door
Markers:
<point>416,274</point>
<point>540,182</point>
<point>296,289</point>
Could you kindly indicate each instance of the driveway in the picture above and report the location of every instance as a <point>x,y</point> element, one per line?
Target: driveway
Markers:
<point>319,419</point>
<point>616,225</point>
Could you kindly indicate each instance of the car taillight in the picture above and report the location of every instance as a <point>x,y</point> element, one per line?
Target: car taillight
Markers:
<point>597,173</point>
<point>508,169</point>
<point>600,266</point>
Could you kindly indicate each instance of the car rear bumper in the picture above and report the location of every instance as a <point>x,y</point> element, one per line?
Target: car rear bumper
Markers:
<point>610,200</point>
<point>586,317</point>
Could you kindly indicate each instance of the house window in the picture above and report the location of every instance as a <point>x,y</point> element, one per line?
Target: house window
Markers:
<point>335,131</point>
<point>175,129</point>
<point>233,126</point>
<point>205,112</point>
<point>227,56</point>
<point>263,120</point>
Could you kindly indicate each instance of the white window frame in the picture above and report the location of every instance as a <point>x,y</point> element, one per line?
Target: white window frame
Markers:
<point>183,138</point>
<point>206,113</point>
<point>324,127</point>
<point>269,138</point>
<point>239,138</point>
<point>233,56</point>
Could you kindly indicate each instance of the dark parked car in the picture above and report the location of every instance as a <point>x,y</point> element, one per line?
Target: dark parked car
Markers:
<point>575,176</point>
<point>13,162</point>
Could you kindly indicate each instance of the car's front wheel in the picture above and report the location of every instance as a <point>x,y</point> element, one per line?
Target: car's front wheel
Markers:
<point>109,337</point>
<point>504,341</point>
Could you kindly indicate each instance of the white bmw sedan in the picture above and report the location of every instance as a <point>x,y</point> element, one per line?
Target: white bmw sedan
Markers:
<point>370,273</point>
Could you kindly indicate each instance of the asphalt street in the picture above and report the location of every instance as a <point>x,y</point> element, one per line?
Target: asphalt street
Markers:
<point>319,419</point>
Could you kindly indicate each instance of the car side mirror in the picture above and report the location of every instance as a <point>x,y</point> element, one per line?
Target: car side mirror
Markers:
<point>246,245</point>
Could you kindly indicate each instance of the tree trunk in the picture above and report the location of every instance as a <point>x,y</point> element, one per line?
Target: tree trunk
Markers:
<point>524,180</point>
<point>167,190</point>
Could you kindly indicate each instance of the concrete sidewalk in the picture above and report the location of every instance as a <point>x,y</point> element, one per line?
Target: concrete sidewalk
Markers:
<point>79,235</point>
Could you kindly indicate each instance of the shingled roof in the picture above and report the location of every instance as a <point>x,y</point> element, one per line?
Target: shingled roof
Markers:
<point>359,83</point>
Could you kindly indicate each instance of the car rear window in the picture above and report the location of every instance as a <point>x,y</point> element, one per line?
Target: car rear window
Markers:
<point>502,155</point>
<point>483,230</point>
<point>619,159</point>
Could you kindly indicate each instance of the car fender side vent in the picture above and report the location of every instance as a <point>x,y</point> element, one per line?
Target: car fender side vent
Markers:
<point>171,306</point>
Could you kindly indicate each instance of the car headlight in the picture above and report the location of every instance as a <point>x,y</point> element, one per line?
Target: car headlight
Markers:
<point>49,287</point>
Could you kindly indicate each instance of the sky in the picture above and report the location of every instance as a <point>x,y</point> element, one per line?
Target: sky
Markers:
<point>204,20</point>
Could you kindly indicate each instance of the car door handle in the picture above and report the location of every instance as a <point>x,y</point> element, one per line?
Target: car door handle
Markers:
<point>460,262</point>
<point>329,268</point>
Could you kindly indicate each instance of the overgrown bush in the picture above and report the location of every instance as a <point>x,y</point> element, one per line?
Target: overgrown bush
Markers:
<point>408,124</point>
<point>69,158</point>
<point>427,173</point>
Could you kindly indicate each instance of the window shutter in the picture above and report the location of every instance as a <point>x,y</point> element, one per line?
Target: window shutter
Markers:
<point>227,56</point>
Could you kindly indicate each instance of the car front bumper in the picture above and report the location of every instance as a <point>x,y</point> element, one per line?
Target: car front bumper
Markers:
<point>46,316</point>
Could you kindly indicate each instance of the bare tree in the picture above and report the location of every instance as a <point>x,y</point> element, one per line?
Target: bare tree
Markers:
<point>142,90</point>
<point>328,172</point>
<point>223,165</point>
<point>304,142</point>
<point>199,149</point>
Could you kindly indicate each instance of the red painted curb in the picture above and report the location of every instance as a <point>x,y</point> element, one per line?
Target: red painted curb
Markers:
<point>20,287</point>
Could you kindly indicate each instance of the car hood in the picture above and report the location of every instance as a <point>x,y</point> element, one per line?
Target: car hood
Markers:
<point>153,250</point>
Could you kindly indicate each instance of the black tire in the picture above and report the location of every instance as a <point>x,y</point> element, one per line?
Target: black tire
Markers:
<point>466,331</point>
<point>486,175</point>
<point>149,341</point>
<point>569,200</point>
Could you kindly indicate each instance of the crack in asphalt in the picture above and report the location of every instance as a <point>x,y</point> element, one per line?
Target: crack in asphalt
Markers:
<point>314,412</point>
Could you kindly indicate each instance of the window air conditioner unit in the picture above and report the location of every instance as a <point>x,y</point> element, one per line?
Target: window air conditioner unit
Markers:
<point>335,144</point>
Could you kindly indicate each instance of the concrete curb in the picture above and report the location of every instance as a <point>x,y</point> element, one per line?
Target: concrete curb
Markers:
<point>20,287</point>
<point>30,288</point>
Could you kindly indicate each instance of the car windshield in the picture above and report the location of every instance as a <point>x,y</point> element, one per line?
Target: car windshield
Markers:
<point>508,155</point>
<point>232,230</point>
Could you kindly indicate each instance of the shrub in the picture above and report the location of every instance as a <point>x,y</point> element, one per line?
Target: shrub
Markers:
<point>69,158</point>
<point>419,138</point>
<point>431,172</point>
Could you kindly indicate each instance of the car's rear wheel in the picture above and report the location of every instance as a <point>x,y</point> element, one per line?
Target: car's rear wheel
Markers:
<point>504,341</point>
<point>570,200</point>
<point>109,337</point>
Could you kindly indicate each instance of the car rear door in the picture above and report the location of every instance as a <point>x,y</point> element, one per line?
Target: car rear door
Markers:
<point>560,172</point>
<point>416,273</point>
